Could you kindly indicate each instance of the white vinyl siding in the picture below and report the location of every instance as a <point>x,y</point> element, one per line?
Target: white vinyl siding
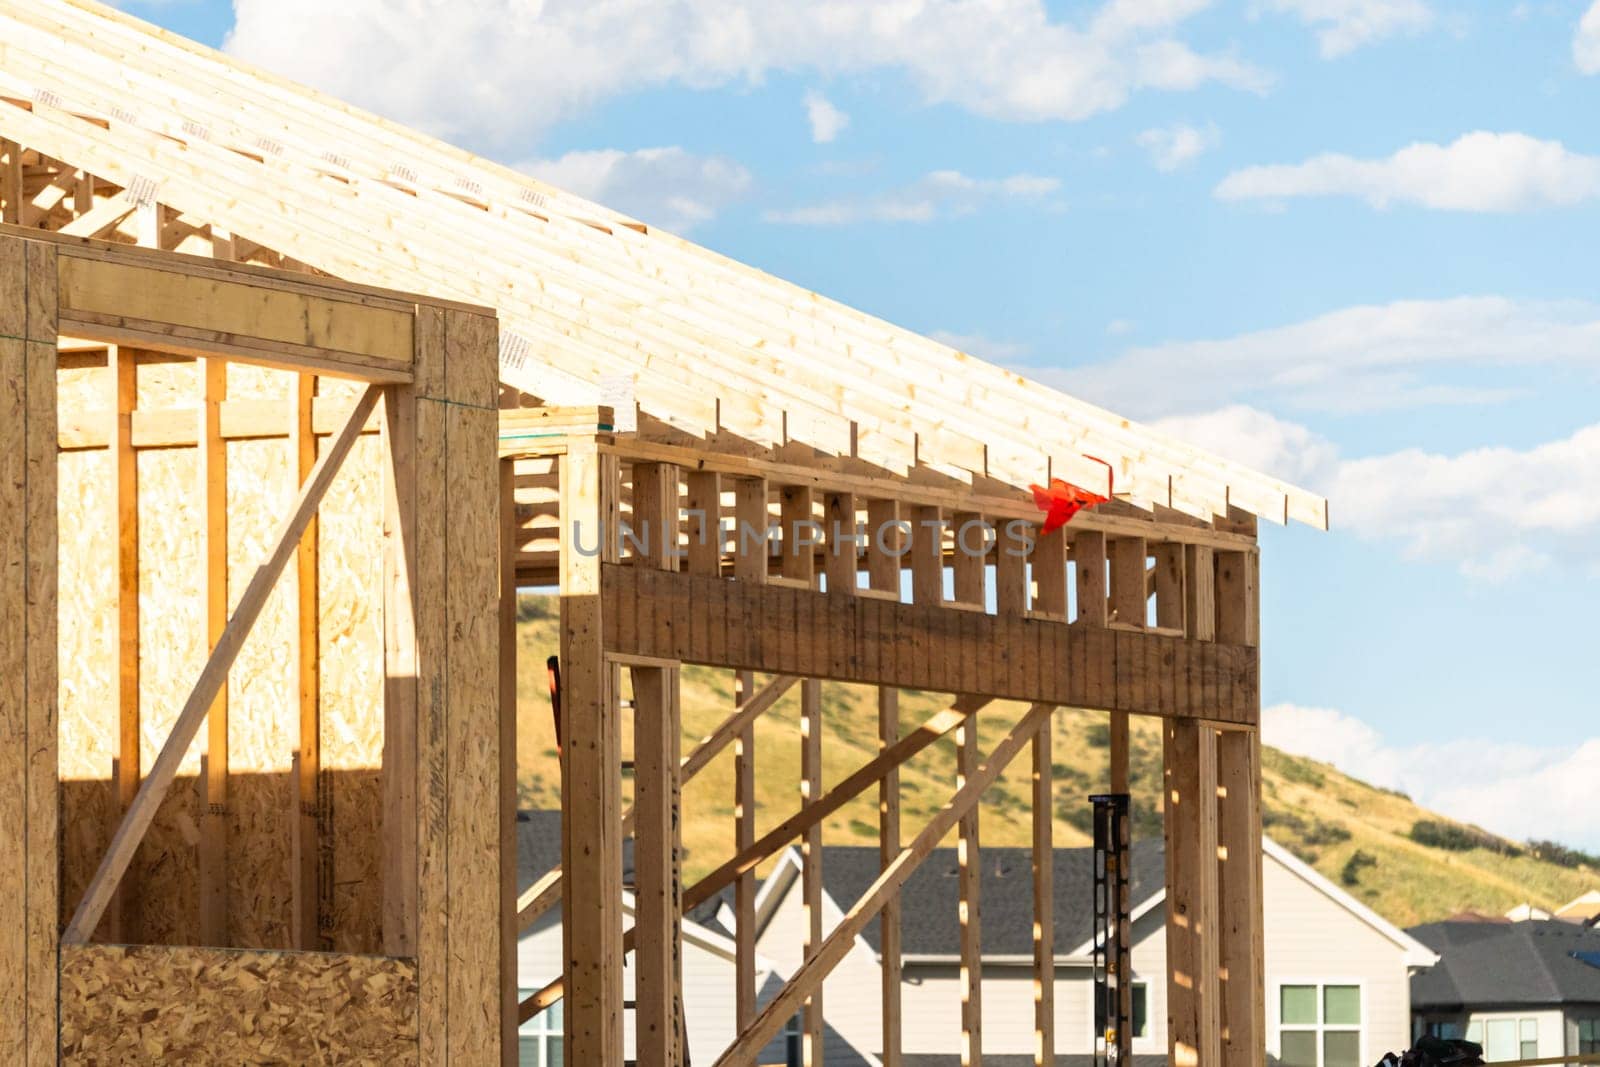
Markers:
<point>1311,939</point>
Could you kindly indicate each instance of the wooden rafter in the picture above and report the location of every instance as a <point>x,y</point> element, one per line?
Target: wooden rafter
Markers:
<point>847,382</point>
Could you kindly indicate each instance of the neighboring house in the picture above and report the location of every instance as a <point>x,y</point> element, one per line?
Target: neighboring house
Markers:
<point>1336,973</point>
<point>708,966</point>
<point>1523,989</point>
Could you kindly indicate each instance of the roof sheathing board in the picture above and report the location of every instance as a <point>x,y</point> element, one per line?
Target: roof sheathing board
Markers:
<point>712,344</point>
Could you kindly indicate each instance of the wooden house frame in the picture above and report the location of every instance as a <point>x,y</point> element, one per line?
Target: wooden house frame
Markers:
<point>711,466</point>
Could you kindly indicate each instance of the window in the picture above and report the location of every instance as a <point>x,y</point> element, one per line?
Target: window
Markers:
<point>1588,1035</point>
<point>539,1039</point>
<point>793,1042</point>
<point>1505,1040</point>
<point>1141,1011</point>
<point>1319,1025</point>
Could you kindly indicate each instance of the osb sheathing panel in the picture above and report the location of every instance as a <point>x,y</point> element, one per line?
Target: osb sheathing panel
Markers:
<point>263,710</point>
<point>163,879</point>
<point>87,683</point>
<point>122,1005</point>
<point>351,554</point>
<point>262,726</point>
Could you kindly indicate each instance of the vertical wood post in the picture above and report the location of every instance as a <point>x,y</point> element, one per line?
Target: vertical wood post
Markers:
<point>510,532</point>
<point>29,796</point>
<point>800,533</point>
<point>591,759</point>
<point>888,850</point>
<point>11,184</point>
<point>884,540</point>
<point>403,559</point>
<point>122,918</point>
<point>749,565</point>
<point>1010,571</point>
<point>744,836</point>
<point>1240,950</point>
<point>843,550</point>
<point>307,852</point>
<point>658,963</point>
<point>454,593</point>
<point>927,555</point>
<point>811,857</point>
<point>970,870</point>
<point>1044,940</point>
<point>1050,573</point>
<point>213,479</point>
<point>970,562</point>
<point>1190,754</point>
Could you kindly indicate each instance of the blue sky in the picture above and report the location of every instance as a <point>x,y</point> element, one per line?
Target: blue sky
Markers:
<point>1352,242</point>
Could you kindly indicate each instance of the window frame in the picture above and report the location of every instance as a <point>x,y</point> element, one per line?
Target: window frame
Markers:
<point>1516,1018</point>
<point>1149,1030</point>
<point>1320,983</point>
<point>542,1031</point>
<point>1578,1022</point>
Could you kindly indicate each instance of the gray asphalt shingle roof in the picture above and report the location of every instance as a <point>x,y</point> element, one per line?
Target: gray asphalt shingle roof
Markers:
<point>1521,963</point>
<point>928,903</point>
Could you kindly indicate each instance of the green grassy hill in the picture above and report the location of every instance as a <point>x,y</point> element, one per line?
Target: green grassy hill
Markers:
<point>1364,838</point>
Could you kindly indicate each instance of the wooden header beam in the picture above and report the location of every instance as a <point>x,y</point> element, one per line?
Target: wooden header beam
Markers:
<point>741,625</point>
<point>193,306</point>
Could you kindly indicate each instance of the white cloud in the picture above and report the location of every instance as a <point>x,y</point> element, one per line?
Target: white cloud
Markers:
<point>1479,171</point>
<point>1346,25</point>
<point>666,187</point>
<point>1357,359</point>
<point>502,70</point>
<point>1586,45</point>
<point>1262,442</point>
<point>1520,791</point>
<point>1171,147</point>
<point>975,344</point>
<point>827,121</point>
<point>1492,513</point>
<point>940,194</point>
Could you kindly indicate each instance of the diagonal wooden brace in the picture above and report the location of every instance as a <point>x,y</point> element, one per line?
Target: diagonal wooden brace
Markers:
<point>811,815</point>
<point>544,893</point>
<point>212,677</point>
<point>885,887</point>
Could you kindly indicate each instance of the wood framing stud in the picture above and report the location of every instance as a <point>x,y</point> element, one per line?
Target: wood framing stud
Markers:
<point>151,791</point>
<point>809,977</point>
<point>1190,760</point>
<point>1044,948</point>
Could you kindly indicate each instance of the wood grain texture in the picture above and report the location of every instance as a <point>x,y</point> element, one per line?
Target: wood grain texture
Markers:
<point>1044,941</point>
<point>919,646</point>
<point>41,869</point>
<point>968,908</point>
<point>591,753</point>
<point>1190,769</point>
<point>1240,897</point>
<point>472,688</point>
<point>148,1004</point>
<point>191,305</point>
<point>13,653</point>
<point>888,849</point>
